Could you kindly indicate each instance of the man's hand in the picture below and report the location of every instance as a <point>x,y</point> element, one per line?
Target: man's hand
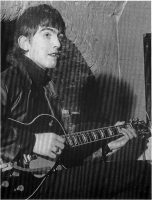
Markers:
<point>120,142</point>
<point>49,144</point>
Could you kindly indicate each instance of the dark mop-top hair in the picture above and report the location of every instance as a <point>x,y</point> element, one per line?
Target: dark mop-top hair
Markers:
<point>28,23</point>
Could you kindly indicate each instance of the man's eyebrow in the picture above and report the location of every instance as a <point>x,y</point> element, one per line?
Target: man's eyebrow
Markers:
<point>49,29</point>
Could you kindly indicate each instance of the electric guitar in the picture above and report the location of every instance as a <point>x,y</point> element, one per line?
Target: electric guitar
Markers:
<point>24,176</point>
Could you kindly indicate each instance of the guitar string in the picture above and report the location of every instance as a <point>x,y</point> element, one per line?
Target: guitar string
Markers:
<point>101,128</point>
<point>73,135</point>
<point>89,142</point>
<point>99,140</point>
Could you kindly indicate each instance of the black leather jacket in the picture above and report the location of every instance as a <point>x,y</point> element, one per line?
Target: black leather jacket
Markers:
<point>26,91</point>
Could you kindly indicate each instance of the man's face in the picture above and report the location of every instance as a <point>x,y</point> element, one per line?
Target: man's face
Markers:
<point>44,47</point>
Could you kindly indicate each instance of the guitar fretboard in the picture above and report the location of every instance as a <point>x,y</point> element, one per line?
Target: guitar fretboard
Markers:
<point>89,136</point>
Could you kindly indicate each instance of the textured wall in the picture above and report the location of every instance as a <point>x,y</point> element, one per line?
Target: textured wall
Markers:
<point>134,23</point>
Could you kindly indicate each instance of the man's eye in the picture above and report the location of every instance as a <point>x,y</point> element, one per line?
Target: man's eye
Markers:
<point>47,35</point>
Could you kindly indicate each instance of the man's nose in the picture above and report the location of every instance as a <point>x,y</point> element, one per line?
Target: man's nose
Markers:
<point>56,42</point>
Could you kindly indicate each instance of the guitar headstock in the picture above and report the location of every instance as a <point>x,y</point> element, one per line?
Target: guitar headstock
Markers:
<point>141,128</point>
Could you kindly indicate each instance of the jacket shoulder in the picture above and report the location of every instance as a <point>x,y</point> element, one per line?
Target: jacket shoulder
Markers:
<point>12,78</point>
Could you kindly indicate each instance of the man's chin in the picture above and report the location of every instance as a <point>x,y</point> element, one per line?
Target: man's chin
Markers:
<point>51,65</point>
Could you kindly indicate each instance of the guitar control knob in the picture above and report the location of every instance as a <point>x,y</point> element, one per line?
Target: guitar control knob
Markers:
<point>20,188</point>
<point>15,173</point>
<point>5,184</point>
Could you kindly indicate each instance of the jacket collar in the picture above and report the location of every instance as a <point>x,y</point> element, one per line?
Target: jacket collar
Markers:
<point>38,76</point>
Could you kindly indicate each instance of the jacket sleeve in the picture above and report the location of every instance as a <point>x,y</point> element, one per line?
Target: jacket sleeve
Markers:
<point>13,141</point>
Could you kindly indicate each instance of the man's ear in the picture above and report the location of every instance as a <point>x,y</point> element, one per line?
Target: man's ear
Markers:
<point>23,43</point>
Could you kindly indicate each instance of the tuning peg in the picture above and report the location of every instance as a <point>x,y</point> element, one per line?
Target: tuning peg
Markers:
<point>5,184</point>
<point>20,188</point>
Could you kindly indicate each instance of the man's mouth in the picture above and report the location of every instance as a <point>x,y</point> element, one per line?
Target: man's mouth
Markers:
<point>55,54</point>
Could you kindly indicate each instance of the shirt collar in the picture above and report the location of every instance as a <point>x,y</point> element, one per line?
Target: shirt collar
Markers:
<point>39,76</point>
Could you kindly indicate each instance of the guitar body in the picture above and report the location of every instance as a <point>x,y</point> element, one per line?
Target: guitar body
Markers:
<point>18,184</point>
<point>22,177</point>
<point>41,124</point>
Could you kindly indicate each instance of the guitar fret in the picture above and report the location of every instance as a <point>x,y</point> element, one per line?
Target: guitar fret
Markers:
<point>81,137</point>
<point>70,141</point>
<point>75,140</point>
<point>98,134</point>
<point>102,134</point>
<point>84,137</point>
<point>78,136</point>
<point>91,136</point>
<point>110,131</point>
<point>88,137</point>
<point>94,136</point>
<point>106,133</point>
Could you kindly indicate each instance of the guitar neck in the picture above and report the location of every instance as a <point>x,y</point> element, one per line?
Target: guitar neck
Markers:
<point>94,135</point>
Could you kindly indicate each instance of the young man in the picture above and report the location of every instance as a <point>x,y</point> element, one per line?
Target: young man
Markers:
<point>27,90</point>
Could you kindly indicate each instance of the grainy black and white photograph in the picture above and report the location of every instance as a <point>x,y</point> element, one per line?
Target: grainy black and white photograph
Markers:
<point>75,100</point>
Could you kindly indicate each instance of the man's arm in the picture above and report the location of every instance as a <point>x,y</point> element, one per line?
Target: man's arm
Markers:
<point>12,140</point>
